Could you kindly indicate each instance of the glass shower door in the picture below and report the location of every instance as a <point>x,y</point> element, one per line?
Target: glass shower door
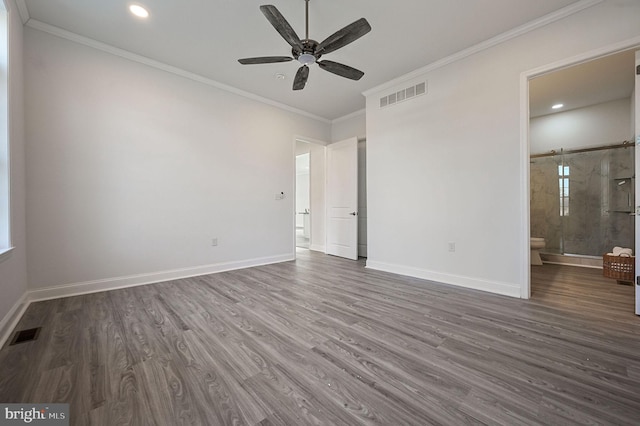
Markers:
<point>597,215</point>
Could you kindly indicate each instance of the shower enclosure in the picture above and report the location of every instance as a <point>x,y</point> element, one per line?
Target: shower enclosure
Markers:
<point>582,200</point>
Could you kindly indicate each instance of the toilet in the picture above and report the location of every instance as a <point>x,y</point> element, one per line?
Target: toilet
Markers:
<point>536,245</point>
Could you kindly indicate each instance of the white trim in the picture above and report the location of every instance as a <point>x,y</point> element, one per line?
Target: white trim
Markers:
<point>5,253</point>
<point>487,44</point>
<point>310,140</point>
<point>294,193</point>
<point>10,320</point>
<point>354,114</point>
<point>525,190</point>
<point>75,289</point>
<point>525,76</point>
<point>506,289</point>
<point>23,11</point>
<point>59,32</point>
<point>632,43</point>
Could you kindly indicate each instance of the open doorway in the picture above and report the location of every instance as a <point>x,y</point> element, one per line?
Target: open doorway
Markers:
<point>581,173</point>
<point>303,196</point>
<point>310,209</point>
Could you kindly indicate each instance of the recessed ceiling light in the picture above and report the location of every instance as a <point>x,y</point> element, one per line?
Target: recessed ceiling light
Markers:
<point>139,11</point>
<point>557,106</point>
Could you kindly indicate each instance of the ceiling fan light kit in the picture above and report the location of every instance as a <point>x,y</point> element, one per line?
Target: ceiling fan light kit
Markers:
<point>308,51</point>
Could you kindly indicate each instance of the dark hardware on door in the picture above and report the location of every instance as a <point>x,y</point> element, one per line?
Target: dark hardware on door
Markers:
<point>353,214</point>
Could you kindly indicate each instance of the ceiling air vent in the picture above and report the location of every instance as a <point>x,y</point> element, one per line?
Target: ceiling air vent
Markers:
<point>404,94</point>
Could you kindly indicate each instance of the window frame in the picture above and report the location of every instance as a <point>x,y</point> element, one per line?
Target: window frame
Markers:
<point>6,246</point>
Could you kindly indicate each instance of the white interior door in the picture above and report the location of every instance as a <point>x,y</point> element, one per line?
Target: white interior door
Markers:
<point>342,199</point>
<point>637,139</point>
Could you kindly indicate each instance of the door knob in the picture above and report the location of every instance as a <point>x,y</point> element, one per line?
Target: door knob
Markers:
<point>353,214</point>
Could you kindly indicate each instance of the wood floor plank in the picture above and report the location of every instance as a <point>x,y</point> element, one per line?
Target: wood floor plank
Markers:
<point>224,393</point>
<point>324,340</point>
<point>392,384</point>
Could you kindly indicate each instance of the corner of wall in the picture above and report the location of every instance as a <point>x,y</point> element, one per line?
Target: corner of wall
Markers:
<point>11,319</point>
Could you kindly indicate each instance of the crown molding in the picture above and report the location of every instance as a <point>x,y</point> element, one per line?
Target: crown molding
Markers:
<point>68,35</point>
<point>487,44</point>
<point>349,116</point>
<point>23,11</point>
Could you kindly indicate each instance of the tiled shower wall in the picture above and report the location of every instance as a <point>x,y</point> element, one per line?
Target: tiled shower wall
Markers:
<point>599,206</point>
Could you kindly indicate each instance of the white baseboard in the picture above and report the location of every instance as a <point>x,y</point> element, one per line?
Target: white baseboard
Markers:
<point>76,289</point>
<point>10,320</point>
<point>505,289</point>
<point>318,247</point>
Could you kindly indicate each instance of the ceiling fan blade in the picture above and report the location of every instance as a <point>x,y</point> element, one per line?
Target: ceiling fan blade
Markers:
<point>265,60</point>
<point>282,26</point>
<point>341,70</point>
<point>301,78</point>
<point>342,37</point>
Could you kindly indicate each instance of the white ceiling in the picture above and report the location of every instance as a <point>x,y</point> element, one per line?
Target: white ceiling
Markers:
<point>600,80</point>
<point>206,37</point>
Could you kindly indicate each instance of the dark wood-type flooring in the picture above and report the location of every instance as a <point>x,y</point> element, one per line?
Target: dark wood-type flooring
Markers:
<point>325,341</point>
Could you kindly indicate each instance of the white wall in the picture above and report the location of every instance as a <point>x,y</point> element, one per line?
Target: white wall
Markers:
<point>602,124</point>
<point>13,269</point>
<point>132,170</point>
<point>349,126</point>
<point>448,166</point>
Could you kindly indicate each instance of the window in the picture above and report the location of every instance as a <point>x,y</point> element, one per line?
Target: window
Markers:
<point>563,181</point>
<point>5,240</point>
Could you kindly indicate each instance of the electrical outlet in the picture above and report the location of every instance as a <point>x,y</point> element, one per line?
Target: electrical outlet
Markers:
<point>214,241</point>
<point>452,247</point>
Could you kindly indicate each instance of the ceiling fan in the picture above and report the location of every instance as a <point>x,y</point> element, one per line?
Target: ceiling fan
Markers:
<point>308,51</point>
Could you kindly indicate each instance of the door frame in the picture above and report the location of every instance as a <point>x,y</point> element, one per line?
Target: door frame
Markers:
<point>636,208</point>
<point>525,272</point>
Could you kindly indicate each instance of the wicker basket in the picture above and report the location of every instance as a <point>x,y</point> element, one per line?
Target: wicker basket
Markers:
<point>619,268</point>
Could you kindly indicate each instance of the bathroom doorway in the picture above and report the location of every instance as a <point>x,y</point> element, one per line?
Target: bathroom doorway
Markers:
<point>303,198</point>
<point>582,162</point>
<point>309,204</point>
